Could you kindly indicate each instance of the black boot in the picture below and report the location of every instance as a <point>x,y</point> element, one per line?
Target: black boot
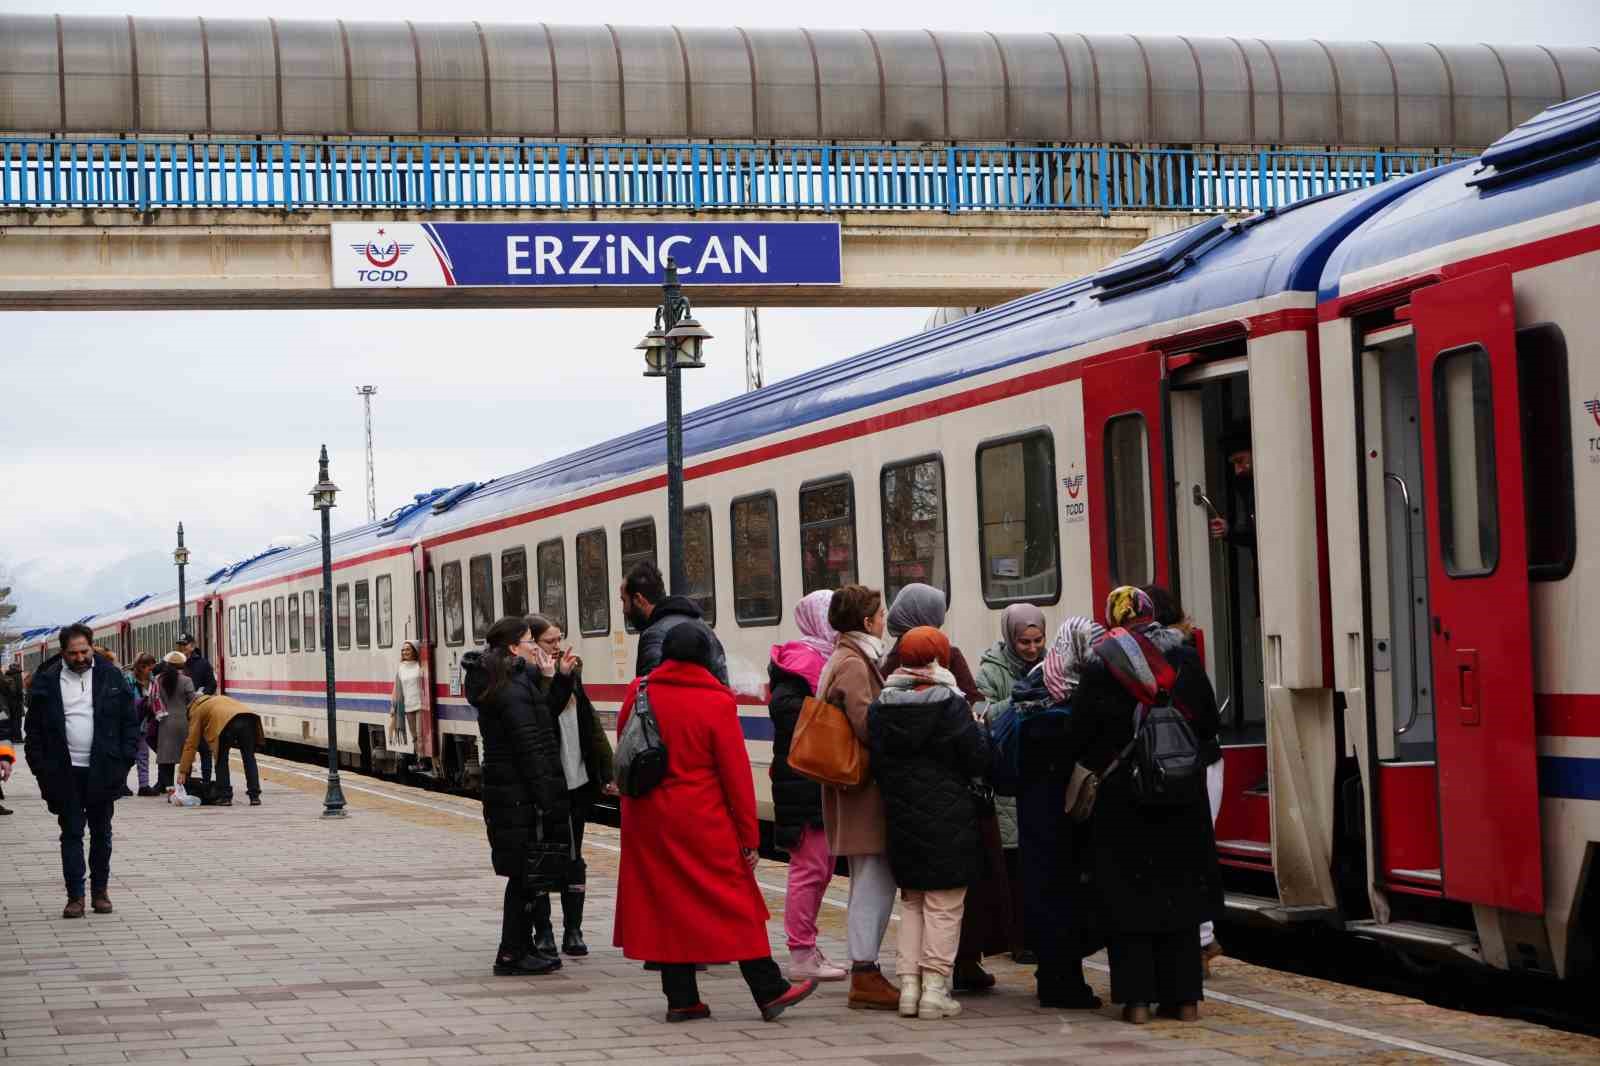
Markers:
<point>572,920</point>
<point>544,936</point>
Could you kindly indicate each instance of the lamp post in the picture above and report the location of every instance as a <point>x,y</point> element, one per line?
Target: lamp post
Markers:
<point>674,345</point>
<point>180,556</point>
<point>322,494</point>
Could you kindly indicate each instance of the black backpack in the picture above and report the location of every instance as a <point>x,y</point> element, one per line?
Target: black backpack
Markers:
<point>641,759</point>
<point>1163,758</point>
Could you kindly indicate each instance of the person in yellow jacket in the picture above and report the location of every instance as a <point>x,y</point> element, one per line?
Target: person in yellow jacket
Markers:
<point>225,723</point>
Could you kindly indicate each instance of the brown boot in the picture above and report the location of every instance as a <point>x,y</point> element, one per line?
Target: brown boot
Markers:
<point>74,908</point>
<point>870,990</point>
<point>101,902</point>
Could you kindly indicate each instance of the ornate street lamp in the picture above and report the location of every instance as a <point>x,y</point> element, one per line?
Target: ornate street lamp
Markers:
<point>673,345</point>
<point>180,556</point>
<point>322,494</point>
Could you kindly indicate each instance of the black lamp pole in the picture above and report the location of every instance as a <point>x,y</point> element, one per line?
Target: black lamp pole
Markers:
<point>181,557</point>
<point>322,495</point>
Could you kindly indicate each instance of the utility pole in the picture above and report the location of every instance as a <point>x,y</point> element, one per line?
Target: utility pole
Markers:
<point>753,373</point>
<point>367,392</point>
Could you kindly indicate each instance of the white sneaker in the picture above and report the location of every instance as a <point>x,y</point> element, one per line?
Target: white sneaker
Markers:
<point>810,963</point>
<point>936,1002</point>
<point>910,994</point>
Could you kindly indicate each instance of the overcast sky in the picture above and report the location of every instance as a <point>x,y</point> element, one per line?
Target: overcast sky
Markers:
<point>117,425</point>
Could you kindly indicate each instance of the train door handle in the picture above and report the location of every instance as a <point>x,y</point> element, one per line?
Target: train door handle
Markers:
<point>1471,712</point>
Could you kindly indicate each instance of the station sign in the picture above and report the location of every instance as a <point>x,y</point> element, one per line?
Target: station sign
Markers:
<point>432,255</point>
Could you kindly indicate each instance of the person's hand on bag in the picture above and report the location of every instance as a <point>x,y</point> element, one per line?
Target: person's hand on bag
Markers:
<point>751,857</point>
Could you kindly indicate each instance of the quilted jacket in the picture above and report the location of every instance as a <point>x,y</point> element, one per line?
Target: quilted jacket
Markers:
<point>925,750</point>
<point>796,800</point>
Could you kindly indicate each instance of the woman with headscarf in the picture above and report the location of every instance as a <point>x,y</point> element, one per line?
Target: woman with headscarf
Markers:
<point>1155,868</point>
<point>143,680</point>
<point>792,676</point>
<point>1008,660</point>
<point>986,927</point>
<point>173,692</point>
<point>1058,919</point>
<point>686,887</point>
<point>926,749</point>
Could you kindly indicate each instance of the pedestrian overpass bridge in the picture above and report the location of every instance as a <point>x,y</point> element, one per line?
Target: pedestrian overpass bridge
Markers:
<point>170,163</point>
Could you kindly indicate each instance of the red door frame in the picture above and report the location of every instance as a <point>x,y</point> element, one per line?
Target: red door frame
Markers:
<point>425,643</point>
<point>1489,811</point>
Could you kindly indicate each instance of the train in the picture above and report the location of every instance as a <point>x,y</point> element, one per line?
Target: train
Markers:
<point>1411,723</point>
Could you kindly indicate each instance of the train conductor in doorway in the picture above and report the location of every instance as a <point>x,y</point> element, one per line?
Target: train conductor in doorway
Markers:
<point>1241,530</point>
<point>196,666</point>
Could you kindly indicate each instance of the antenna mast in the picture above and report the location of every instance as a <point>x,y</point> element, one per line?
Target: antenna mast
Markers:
<point>752,349</point>
<point>367,392</point>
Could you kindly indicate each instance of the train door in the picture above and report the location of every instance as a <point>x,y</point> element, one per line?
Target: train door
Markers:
<point>1125,433</point>
<point>422,611</point>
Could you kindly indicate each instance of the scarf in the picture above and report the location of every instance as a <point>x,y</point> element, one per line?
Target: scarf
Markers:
<point>870,647</point>
<point>1013,621</point>
<point>915,677</point>
<point>811,615</point>
<point>916,605</point>
<point>1129,608</point>
<point>1068,653</point>
<point>1127,655</point>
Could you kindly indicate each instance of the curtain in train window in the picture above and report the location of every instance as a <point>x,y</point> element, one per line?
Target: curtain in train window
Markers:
<point>698,561</point>
<point>383,589</point>
<point>308,614</point>
<point>279,626</point>
<point>363,614</point>
<point>1127,492</point>
<point>827,535</point>
<point>514,581</point>
<point>1017,533</point>
<point>233,633</point>
<point>757,591</point>
<point>1547,451</point>
<point>341,615</point>
<point>455,620</point>
<point>594,591</point>
<point>638,545</point>
<point>551,557</point>
<point>480,579</point>
<point>914,546</point>
<point>266,626</point>
<point>255,629</point>
<point>1469,519</point>
<point>294,621</point>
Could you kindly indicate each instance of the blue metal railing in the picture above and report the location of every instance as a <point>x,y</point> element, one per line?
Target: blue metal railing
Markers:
<point>145,175</point>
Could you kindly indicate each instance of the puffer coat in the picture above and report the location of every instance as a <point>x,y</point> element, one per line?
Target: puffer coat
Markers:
<point>796,800</point>
<point>523,783</point>
<point>926,749</point>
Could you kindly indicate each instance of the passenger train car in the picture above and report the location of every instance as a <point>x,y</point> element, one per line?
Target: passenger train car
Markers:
<point>1412,723</point>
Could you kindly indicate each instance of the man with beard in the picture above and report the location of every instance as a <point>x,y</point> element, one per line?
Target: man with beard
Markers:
<point>1241,532</point>
<point>653,614</point>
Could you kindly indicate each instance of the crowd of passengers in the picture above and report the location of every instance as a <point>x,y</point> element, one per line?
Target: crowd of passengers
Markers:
<point>1039,871</point>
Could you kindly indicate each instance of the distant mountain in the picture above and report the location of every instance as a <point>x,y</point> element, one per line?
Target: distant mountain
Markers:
<point>47,592</point>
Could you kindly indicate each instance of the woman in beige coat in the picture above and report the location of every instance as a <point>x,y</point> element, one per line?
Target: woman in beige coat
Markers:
<point>854,819</point>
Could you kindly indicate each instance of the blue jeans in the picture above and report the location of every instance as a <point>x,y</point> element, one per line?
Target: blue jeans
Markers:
<point>76,814</point>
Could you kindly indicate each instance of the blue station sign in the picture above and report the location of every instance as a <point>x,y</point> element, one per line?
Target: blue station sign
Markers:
<point>443,254</point>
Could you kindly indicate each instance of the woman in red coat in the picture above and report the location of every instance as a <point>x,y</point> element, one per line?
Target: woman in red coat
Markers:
<point>686,888</point>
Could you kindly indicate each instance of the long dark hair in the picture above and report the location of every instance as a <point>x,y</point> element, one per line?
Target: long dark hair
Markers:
<point>500,660</point>
<point>169,680</point>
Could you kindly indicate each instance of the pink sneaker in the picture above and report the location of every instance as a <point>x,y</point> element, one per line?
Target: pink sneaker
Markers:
<point>811,963</point>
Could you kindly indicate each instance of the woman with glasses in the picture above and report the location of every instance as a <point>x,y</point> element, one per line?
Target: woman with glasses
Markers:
<point>524,789</point>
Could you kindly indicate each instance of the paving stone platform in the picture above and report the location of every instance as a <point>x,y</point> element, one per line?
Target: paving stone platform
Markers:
<point>270,936</point>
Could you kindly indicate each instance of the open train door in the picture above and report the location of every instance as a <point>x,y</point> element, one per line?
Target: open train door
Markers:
<point>422,604</point>
<point>1125,433</point>
<point>1478,576</point>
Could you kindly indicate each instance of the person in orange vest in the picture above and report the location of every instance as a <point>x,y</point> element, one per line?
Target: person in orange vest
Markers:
<point>225,723</point>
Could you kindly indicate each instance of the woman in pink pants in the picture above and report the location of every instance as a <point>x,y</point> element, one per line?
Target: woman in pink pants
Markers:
<point>797,802</point>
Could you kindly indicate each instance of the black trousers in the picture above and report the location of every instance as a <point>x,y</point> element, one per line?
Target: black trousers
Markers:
<point>581,801</point>
<point>762,975</point>
<point>516,924</point>
<point>1156,968</point>
<point>239,733</point>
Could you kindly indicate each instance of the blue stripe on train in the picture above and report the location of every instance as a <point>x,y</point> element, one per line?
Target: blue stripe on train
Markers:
<point>1569,778</point>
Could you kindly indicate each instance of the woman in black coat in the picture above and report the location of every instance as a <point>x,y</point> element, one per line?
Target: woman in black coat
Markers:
<point>524,788</point>
<point>1155,868</point>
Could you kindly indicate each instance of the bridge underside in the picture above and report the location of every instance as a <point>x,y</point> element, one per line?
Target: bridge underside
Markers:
<point>101,260</point>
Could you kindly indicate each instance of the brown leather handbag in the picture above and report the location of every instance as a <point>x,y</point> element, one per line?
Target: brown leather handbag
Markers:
<point>825,748</point>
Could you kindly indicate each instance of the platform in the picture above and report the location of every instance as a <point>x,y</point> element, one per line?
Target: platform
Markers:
<point>269,936</point>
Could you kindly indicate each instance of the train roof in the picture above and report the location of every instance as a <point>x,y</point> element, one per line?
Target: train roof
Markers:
<point>1543,167</point>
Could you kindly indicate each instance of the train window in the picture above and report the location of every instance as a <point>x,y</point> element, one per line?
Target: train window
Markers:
<point>278,625</point>
<point>827,534</point>
<point>480,578</point>
<point>1469,518</point>
<point>1127,492</point>
<point>594,593</point>
<point>914,543</point>
<point>1018,546</point>
<point>638,545</point>
<point>757,590</point>
<point>455,620</point>
<point>255,629</point>
<point>552,559</point>
<point>294,621</point>
<point>308,616</point>
<point>383,589</point>
<point>233,633</point>
<point>363,614</point>
<point>341,616</point>
<point>514,581</point>
<point>699,565</point>
<point>1547,452</point>
<point>266,626</point>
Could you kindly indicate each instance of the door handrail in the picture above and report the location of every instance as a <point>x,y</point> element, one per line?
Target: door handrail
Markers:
<point>1416,700</point>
